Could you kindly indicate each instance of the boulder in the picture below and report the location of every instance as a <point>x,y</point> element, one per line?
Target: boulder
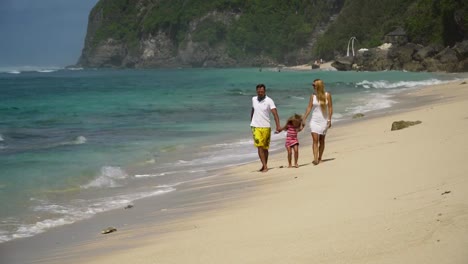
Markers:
<point>461,48</point>
<point>343,63</point>
<point>447,55</point>
<point>397,125</point>
<point>431,65</point>
<point>427,52</point>
<point>463,66</point>
<point>404,54</point>
<point>374,59</point>
<point>414,66</point>
<point>444,61</point>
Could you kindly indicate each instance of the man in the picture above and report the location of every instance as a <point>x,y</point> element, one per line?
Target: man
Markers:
<point>262,106</point>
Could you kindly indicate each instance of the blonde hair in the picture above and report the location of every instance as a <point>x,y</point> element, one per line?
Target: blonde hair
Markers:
<point>295,120</point>
<point>321,97</point>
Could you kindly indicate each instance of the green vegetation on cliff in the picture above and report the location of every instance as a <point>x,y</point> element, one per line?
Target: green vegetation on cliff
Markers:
<point>117,20</point>
<point>425,21</point>
<point>271,28</point>
<point>278,29</point>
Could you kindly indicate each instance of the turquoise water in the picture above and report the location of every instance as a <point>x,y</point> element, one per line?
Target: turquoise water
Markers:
<point>74,143</point>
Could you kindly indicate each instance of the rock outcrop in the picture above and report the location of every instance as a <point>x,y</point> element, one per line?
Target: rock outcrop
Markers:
<point>409,57</point>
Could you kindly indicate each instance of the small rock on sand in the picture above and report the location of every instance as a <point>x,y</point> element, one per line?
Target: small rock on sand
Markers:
<point>397,125</point>
<point>109,230</point>
<point>358,115</point>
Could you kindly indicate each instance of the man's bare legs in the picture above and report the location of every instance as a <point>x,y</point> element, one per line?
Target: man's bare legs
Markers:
<point>263,155</point>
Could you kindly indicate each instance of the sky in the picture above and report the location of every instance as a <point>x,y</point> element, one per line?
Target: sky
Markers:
<point>42,32</point>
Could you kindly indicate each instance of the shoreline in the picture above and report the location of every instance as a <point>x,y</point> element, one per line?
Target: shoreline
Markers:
<point>326,66</point>
<point>239,189</point>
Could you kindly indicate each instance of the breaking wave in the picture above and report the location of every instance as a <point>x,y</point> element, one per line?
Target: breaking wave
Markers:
<point>394,85</point>
<point>109,177</point>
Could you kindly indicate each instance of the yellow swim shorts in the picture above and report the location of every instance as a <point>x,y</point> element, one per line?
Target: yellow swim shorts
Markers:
<point>261,136</point>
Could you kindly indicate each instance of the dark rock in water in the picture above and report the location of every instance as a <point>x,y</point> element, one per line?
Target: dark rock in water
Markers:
<point>343,63</point>
<point>397,125</point>
<point>358,115</point>
<point>109,230</point>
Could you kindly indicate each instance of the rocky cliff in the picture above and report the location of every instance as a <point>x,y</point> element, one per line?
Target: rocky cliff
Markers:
<point>163,33</point>
<point>143,34</point>
<point>226,33</point>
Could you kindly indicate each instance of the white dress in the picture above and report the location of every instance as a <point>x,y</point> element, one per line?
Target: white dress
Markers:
<point>318,121</point>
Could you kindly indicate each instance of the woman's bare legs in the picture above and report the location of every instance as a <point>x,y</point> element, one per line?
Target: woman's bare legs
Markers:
<point>321,147</point>
<point>315,147</point>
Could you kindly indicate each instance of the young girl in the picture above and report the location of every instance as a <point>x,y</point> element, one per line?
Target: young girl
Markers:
<point>293,125</point>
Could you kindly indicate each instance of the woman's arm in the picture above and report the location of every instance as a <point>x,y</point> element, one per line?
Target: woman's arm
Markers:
<point>309,107</point>
<point>301,126</point>
<point>330,109</point>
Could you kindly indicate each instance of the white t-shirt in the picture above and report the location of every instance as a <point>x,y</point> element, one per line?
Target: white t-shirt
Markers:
<point>262,110</point>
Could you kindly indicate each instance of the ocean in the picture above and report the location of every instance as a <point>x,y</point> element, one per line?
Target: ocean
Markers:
<point>76,142</point>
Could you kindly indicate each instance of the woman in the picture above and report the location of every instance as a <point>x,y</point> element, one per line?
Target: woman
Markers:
<point>321,105</point>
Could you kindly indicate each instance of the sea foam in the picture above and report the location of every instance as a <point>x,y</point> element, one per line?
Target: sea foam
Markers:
<point>376,102</point>
<point>20,69</point>
<point>80,210</point>
<point>108,178</point>
<point>79,140</point>
<point>392,85</point>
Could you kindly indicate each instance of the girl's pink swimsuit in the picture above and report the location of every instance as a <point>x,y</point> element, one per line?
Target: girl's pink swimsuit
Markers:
<point>291,136</point>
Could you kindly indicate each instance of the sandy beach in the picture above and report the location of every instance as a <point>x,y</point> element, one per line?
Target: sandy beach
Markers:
<point>379,196</point>
<point>307,67</point>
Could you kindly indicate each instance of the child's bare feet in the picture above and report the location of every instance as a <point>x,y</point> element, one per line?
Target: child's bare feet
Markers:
<point>315,162</point>
<point>296,166</point>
